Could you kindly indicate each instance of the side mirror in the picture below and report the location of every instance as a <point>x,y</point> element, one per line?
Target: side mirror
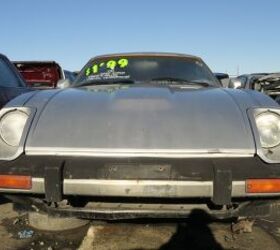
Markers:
<point>223,78</point>
<point>64,83</point>
<point>235,84</point>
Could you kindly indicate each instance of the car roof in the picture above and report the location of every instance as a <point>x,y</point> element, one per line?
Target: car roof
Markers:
<point>14,69</point>
<point>23,62</point>
<point>269,76</point>
<point>3,56</point>
<point>163,54</point>
<point>253,75</point>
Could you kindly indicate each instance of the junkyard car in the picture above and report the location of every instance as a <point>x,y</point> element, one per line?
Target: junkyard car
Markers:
<point>142,135</point>
<point>41,74</point>
<point>267,83</point>
<point>11,83</point>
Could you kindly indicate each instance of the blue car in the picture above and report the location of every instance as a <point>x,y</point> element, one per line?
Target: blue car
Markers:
<point>11,82</point>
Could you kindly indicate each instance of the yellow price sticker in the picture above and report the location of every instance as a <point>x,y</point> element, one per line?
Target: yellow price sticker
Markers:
<point>109,65</point>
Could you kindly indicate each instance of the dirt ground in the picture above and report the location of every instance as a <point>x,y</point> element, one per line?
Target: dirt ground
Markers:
<point>196,233</point>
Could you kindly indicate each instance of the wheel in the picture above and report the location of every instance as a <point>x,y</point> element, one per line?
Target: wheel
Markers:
<point>46,222</point>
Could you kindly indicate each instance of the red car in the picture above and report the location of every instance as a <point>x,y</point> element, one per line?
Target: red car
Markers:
<point>40,74</point>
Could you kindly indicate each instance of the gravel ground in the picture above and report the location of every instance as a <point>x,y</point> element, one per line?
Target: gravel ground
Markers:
<point>197,233</point>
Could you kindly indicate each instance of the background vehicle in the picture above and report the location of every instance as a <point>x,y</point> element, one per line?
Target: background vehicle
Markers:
<point>11,83</point>
<point>142,135</point>
<point>267,83</point>
<point>70,75</point>
<point>247,80</point>
<point>40,74</point>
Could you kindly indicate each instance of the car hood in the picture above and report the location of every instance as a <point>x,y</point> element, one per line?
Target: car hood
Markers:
<point>138,119</point>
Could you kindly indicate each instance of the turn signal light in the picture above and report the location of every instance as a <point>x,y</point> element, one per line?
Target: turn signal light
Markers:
<point>15,182</point>
<point>263,186</point>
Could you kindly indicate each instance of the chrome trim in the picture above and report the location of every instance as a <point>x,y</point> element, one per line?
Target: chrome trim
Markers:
<point>152,188</point>
<point>38,187</point>
<point>238,189</point>
<point>162,153</point>
<point>134,188</point>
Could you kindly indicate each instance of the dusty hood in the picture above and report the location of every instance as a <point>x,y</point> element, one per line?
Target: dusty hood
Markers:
<point>141,119</point>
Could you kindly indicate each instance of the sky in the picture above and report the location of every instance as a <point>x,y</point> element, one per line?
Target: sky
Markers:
<point>240,36</point>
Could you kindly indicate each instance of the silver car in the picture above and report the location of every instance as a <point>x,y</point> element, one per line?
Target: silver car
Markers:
<point>267,83</point>
<point>142,135</point>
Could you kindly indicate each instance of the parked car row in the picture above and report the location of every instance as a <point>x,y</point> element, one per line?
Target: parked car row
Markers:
<point>267,83</point>
<point>141,135</point>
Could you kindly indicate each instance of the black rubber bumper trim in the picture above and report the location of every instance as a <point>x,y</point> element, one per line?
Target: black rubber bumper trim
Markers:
<point>222,186</point>
<point>142,168</point>
<point>222,171</point>
<point>54,182</point>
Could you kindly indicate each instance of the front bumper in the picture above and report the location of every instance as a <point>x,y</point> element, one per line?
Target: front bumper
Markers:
<point>196,182</point>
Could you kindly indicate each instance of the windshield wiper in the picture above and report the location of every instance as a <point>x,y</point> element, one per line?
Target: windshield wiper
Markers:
<point>172,80</point>
<point>104,82</point>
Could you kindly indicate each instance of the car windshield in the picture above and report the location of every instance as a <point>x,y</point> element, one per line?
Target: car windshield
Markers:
<point>146,69</point>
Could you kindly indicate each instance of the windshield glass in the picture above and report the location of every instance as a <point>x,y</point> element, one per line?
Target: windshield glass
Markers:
<point>145,69</point>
